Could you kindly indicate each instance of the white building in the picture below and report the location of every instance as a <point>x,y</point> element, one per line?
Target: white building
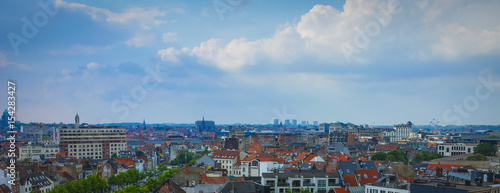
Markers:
<point>401,131</point>
<point>452,149</point>
<point>32,149</point>
<point>314,181</point>
<point>382,189</point>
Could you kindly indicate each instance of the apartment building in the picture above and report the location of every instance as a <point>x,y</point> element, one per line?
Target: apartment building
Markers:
<point>83,142</point>
<point>452,149</point>
<point>314,181</point>
<point>42,150</point>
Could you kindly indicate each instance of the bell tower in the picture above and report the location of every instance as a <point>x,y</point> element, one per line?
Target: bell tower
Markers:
<point>77,120</point>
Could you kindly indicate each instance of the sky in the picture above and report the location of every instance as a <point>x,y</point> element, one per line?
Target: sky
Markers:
<point>241,61</point>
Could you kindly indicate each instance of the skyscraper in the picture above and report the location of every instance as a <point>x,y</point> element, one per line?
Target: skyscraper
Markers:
<point>276,121</point>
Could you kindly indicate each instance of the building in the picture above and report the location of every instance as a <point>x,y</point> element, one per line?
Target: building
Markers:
<point>83,142</point>
<point>401,131</point>
<point>204,125</point>
<point>315,181</point>
<point>324,128</point>
<point>241,139</point>
<point>287,122</point>
<point>452,149</point>
<point>227,159</point>
<point>294,122</point>
<point>42,150</point>
<point>338,136</point>
<point>31,179</point>
<point>4,122</point>
<point>276,121</point>
<point>450,187</point>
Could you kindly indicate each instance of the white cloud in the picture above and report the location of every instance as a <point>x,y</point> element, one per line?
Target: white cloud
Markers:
<point>92,65</point>
<point>169,37</point>
<point>169,55</point>
<point>144,17</point>
<point>417,30</point>
<point>141,40</point>
<point>457,41</point>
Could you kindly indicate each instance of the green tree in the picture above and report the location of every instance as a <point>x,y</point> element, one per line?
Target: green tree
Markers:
<point>477,157</point>
<point>182,158</point>
<point>380,155</point>
<point>486,149</point>
<point>114,155</point>
<point>398,156</point>
<point>492,137</point>
<point>425,156</point>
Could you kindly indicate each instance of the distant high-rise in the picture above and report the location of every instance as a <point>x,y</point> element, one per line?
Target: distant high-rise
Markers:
<point>204,125</point>
<point>276,121</point>
<point>5,119</point>
<point>287,121</point>
<point>304,123</point>
<point>294,122</point>
<point>315,122</point>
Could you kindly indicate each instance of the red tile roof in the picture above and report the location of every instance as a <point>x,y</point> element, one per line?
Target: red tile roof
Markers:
<point>387,147</point>
<point>341,190</point>
<point>368,176</point>
<point>351,179</point>
<point>302,156</point>
<point>447,167</point>
<point>226,154</point>
<point>217,180</point>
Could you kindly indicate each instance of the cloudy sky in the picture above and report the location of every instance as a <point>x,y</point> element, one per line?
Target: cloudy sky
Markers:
<point>250,61</point>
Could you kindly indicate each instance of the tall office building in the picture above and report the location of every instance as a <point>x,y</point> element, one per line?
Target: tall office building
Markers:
<point>276,121</point>
<point>90,141</point>
<point>315,122</point>
<point>287,121</point>
<point>294,122</point>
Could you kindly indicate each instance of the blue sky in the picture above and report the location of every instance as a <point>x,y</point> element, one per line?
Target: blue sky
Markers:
<point>241,61</point>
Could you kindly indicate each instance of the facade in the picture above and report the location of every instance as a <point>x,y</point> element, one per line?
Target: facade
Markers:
<point>44,150</point>
<point>401,131</point>
<point>90,141</point>
<point>324,128</point>
<point>480,187</point>
<point>452,149</point>
<point>227,159</point>
<point>369,188</point>
<point>338,136</point>
<point>241,139</point>
<point>31,179</point>
<point>315,181</point>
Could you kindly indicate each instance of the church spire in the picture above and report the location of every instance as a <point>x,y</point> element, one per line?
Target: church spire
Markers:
<point>77,120</point>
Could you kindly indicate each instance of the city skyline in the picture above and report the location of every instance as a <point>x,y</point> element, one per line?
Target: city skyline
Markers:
<point>364,62</point>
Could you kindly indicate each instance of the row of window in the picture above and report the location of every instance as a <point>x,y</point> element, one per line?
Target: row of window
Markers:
<point>93,130</point>
<point>369,190</point>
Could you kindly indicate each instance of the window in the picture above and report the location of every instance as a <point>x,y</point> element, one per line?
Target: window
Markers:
<point>321,183</point>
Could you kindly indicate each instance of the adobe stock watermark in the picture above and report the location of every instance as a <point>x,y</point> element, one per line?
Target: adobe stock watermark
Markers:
<point>223,6</point>
<point>372,29</point>
<point>471,103</point>
<point>137,94</point>
<point>30,27</point>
